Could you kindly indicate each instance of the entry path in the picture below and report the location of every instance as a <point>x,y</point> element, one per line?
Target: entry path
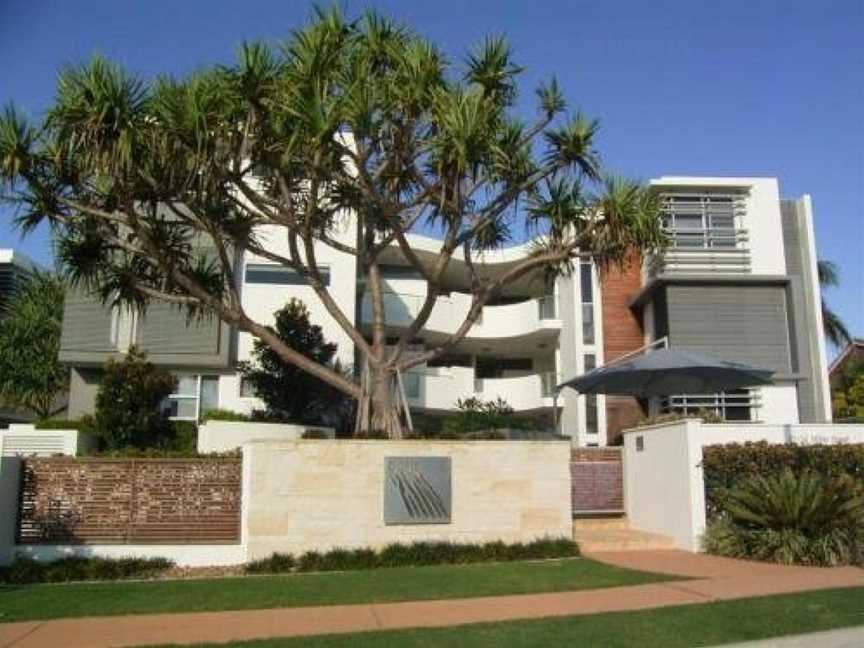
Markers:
<point>712,579</point>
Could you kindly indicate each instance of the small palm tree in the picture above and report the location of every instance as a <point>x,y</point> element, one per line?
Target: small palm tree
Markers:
<point>835,328</point>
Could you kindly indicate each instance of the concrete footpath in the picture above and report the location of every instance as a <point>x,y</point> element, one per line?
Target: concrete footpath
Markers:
<point>844,638</point>
<point>713,579</point>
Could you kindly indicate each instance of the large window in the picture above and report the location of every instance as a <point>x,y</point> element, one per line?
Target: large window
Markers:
<point>586,284</point>
<point>193,396</point>
<point>702,221</point>
<point>735,405</point>
<point>271,273</point>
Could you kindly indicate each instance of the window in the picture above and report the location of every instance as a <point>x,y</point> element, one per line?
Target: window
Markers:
<point>586,282</point>
<point>247,389</point>
<point>271,273</point>
<point>591,426</point>
<point>411,384</point>
<point>735,405</point>
<point>193,396</point>
<point>702,221</point>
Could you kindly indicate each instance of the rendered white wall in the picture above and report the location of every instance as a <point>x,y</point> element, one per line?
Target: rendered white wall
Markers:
<point>779,404</point>
<point>664,486</point>
<point>224,436</point>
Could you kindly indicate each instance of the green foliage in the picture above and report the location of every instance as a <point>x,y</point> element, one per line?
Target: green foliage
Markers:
<point>847,394</point>
<point>315,434</point>
<point>726,466</point>
<point>414,555</point>
<point>475,418</point>
<point>31,376</point>
<point>139,179</point>
<point>835,328</point>
<point>290,393</point>
<point>128,403</point>
<point>84,424</point>
<point>26,570</point>
<point>805,518</point>
<point>224,415</point>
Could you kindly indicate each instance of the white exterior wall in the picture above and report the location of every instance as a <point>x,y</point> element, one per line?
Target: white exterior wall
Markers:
<point>664,485</point>
<point>762,220</point>
<point>779,404</point>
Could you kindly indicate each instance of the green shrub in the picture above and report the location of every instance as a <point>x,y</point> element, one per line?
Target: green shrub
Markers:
<point>726,466</point>
<point>128,403</point>
<point>277,563</point>
<point>224,415</point>
<point>84,424</point>
<point>806,518</point>
<point>26,570</point>
<point>415,554</point>
<point>704,415</point>
<point>315,434</point>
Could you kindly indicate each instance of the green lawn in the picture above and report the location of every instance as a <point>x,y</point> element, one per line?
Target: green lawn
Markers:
<point>681,626</point>
<point>18,603</point>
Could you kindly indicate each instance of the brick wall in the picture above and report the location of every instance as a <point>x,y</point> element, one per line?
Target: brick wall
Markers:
<point>622,334</point>
<point>596,480</point>
<point>65,500</point>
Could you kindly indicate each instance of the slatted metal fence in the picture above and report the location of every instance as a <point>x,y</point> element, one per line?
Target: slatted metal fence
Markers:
<point>65,500</point>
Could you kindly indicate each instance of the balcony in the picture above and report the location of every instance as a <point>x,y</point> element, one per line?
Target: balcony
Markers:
<point>495,322</point>
<point>440,388</point>
<point>699,250</point>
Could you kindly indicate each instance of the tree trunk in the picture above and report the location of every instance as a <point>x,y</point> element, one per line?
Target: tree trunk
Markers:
<point>379,410</point>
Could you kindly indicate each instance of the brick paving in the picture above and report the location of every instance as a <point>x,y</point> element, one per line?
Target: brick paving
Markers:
<point>712,579</point>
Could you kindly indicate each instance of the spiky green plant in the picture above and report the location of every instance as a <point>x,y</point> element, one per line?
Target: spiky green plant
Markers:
<point>804,518</point>
<point>152,185</point>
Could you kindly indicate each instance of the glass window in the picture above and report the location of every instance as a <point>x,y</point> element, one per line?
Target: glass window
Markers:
<point>247,389</point>
<point>411,384</point>
<point>193,396</point>
<point>271,273</point>
<point>703,220</point>
<point>734,405</point>
<point>587,323</point>
<point>591,414</point>
<point>585,282</point>
<point>209,393</point>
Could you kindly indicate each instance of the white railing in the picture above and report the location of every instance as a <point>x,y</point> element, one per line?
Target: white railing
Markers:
<point>442,387</point>
<point>704,250</point>
<point>508,320</point>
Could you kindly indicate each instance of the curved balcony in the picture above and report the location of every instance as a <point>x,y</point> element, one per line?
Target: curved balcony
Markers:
<point>440,388</point>
<point>506,321</point>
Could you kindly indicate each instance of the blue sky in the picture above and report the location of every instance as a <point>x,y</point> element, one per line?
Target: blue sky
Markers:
<point>749,87</point>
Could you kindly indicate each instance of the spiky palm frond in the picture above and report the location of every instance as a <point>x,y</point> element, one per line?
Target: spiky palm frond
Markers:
<point>835,327</point>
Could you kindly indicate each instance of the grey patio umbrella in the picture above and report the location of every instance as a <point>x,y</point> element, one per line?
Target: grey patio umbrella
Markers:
<point>668,371</point>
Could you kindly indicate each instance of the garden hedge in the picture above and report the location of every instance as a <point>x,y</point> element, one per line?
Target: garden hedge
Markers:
<point>727,465</point>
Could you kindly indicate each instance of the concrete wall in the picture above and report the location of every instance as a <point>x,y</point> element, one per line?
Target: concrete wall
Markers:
<point>224,436</point>
<point>664,486</point>
<point>306,495</point>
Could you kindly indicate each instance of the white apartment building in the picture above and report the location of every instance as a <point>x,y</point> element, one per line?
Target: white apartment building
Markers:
<point>739,282</point>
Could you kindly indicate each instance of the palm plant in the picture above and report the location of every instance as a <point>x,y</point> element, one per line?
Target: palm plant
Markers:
<point>805,518</point>
<point>152,186</point>
<point>835,328</point>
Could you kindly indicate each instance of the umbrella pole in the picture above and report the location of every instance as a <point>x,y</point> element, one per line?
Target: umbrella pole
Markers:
<point>555,410</point>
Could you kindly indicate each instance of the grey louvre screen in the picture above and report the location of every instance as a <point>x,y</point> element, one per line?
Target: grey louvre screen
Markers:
<point>269,273</point>
<point>87,323</point>
<point>164,329</point>
<point>740,323</point>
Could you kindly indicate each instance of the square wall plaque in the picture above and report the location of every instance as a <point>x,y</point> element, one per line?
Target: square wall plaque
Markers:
<point>416,490</point>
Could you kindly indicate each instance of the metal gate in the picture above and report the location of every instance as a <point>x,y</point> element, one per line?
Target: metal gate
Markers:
<point>597,481</point>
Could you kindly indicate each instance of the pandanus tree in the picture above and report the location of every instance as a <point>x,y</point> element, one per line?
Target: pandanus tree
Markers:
<point>153,187</point>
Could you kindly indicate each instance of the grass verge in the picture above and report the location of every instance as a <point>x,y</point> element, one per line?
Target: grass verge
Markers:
<point>672,627</point>
<point>47,601</point>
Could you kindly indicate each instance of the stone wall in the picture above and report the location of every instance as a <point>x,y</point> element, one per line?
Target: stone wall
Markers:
<point>307,495</point>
